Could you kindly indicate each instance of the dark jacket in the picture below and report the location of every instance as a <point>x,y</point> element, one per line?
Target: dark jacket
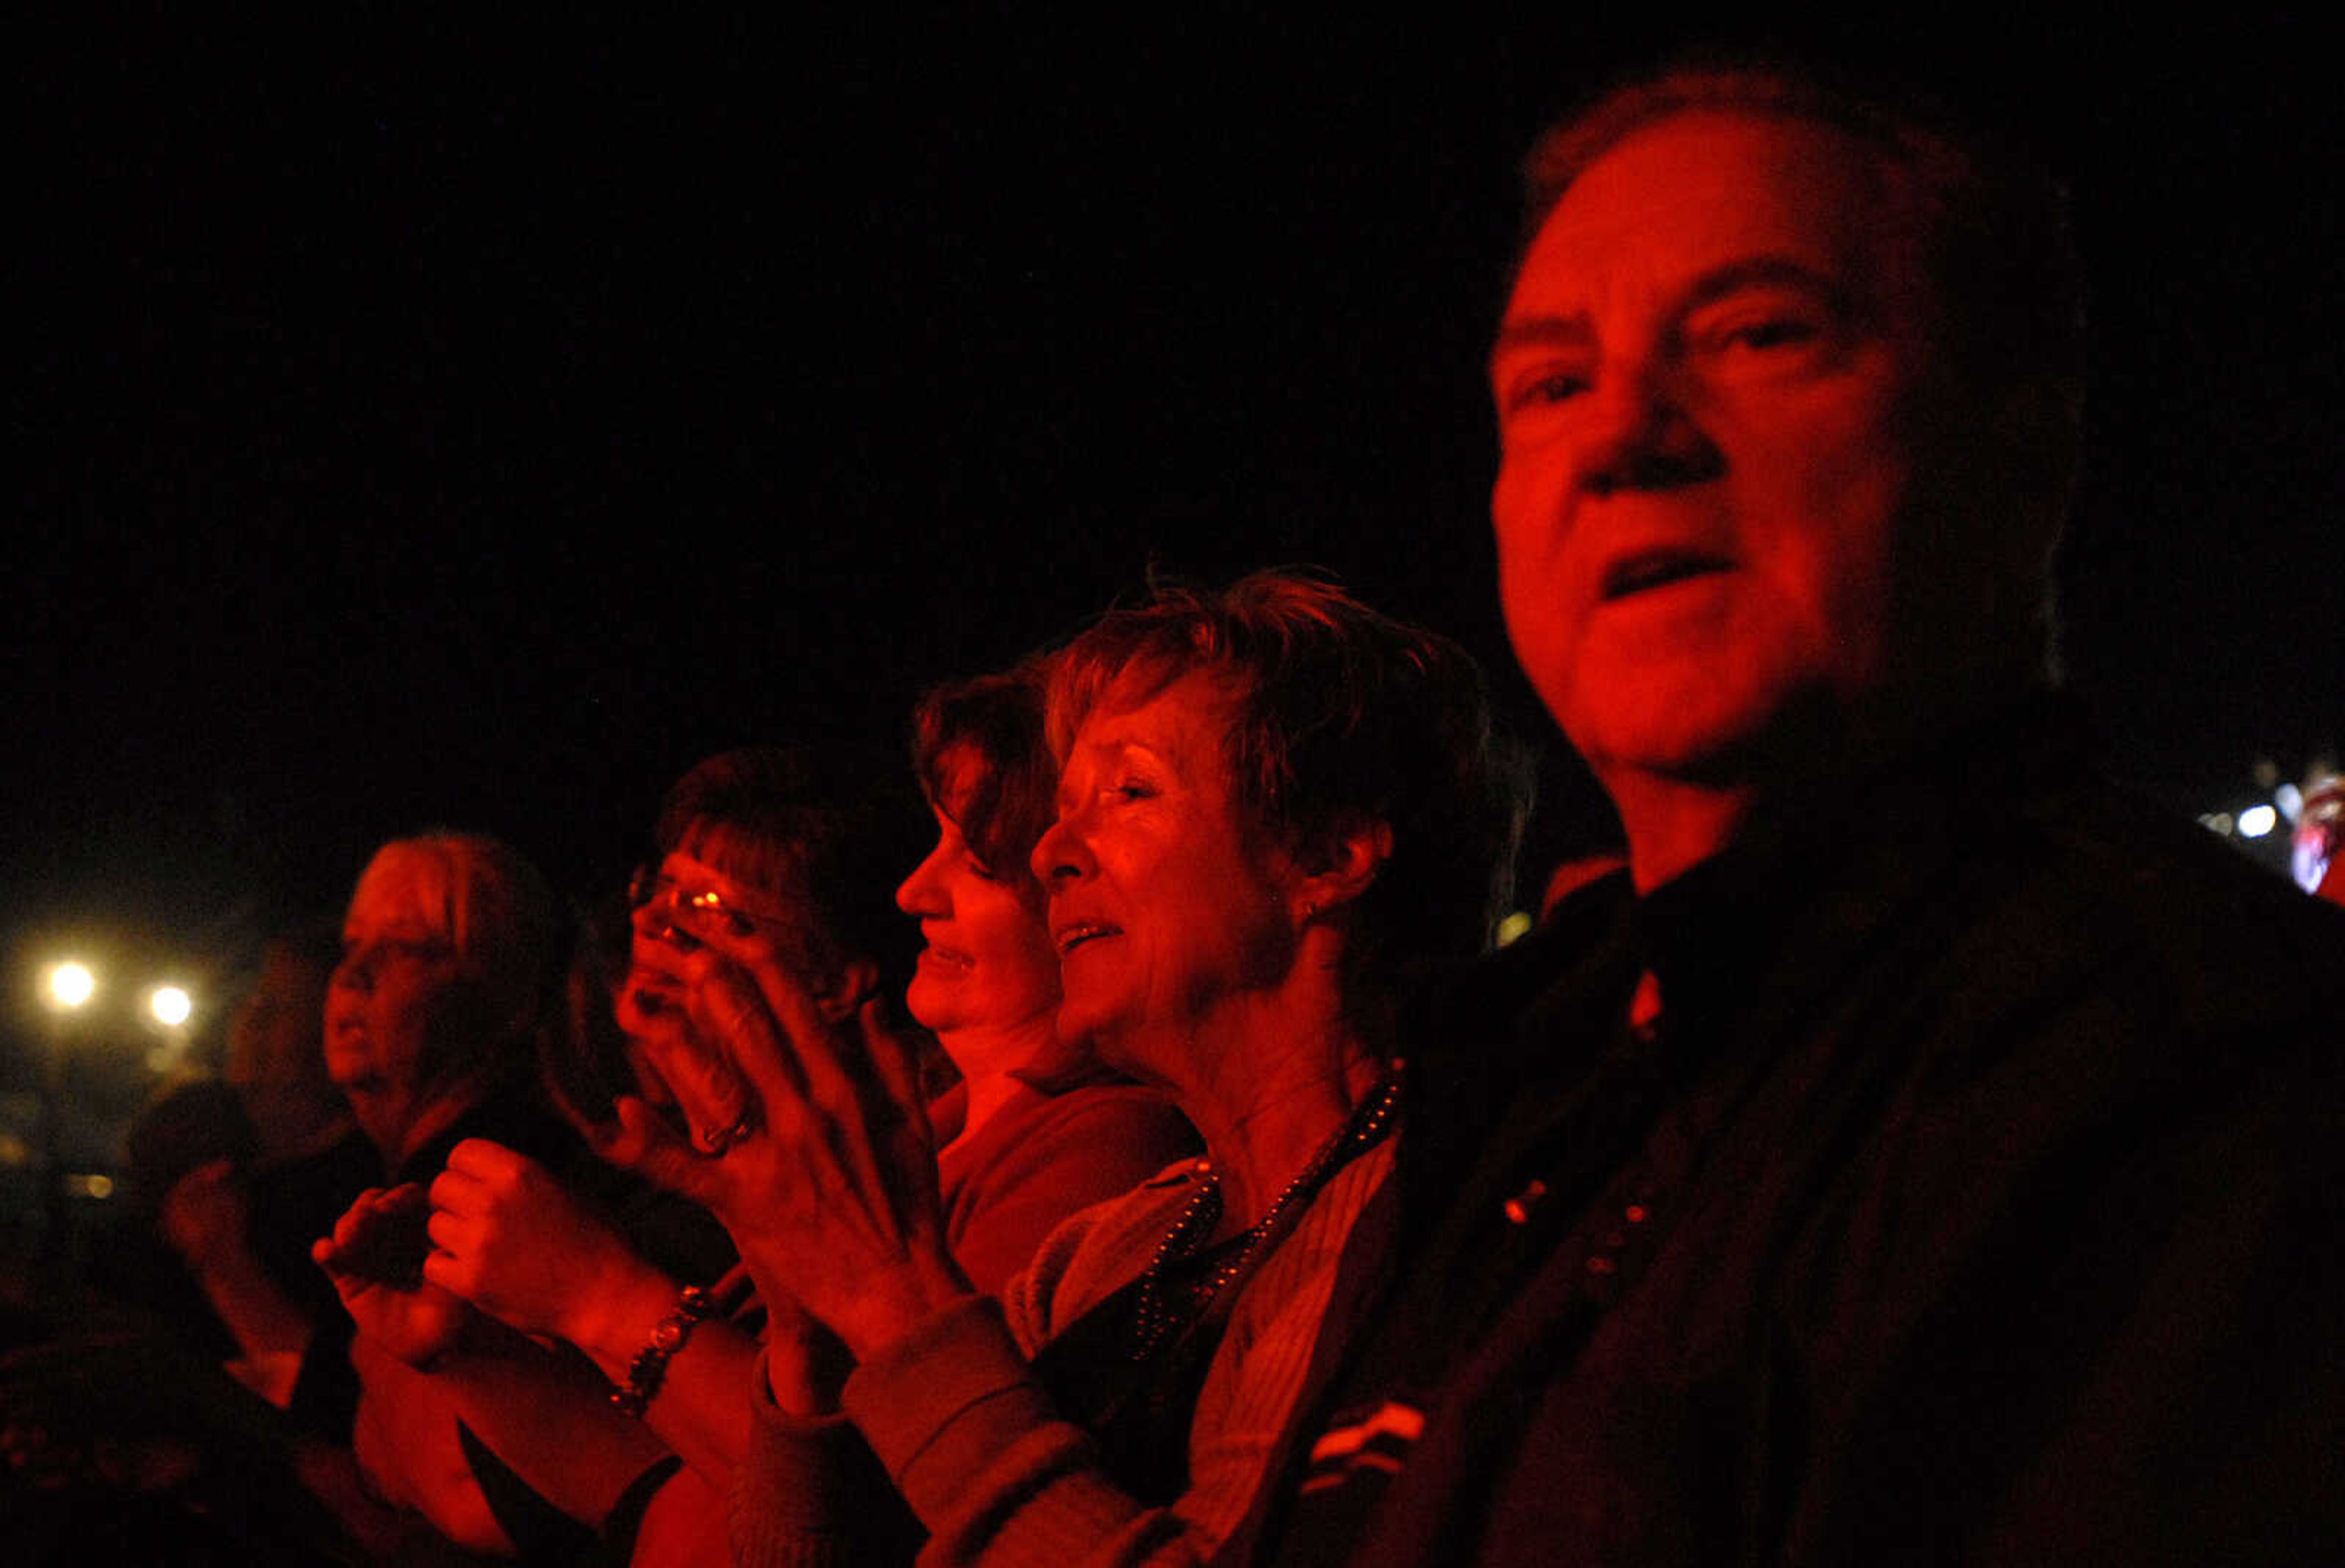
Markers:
<point>1978,1198</point>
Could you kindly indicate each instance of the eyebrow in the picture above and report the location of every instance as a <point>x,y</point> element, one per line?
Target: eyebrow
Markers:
<point>1576,332</point>
<point>1765,272</point>
<point>1115,745</point>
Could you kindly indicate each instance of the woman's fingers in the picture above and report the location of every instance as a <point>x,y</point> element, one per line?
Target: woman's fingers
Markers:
<point>454,1192</point>
<point>892,1058</point>
<point>485,1159</point>
<point>727,1007</point>
<point>755,984</point>
<point>644,1143</point>
<point>696,1066</point>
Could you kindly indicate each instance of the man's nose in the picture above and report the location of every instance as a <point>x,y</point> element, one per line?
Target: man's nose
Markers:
<point>1639,435</point>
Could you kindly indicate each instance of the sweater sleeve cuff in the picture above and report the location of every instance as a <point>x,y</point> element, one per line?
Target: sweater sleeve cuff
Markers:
<point>946,1399</point>
<point>800,1469</point>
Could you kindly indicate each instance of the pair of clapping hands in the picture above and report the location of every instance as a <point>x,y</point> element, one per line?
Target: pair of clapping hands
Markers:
<point>804,1133</point>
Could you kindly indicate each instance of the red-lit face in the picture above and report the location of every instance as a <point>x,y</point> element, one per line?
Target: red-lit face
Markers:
<point>1708,383</point>
<point>402,1007</point>
<point>988,963</point>
<point>1165,908</point>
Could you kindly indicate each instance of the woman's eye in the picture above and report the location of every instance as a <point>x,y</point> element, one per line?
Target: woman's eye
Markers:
<point>979,869</point>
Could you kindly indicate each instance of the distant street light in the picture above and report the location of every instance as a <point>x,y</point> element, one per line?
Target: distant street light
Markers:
<point>71,984</point>
<point>170,1006</point>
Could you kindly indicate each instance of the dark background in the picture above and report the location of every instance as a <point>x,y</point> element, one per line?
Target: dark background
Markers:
<point>421,427</point>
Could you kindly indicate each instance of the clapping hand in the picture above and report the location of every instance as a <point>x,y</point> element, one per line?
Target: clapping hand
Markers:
<point>825,1172</point>
<point>375,1258</point>
<point>507,1238</point>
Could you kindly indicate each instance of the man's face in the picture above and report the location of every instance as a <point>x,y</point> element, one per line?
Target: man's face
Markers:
<point>1708,384</point>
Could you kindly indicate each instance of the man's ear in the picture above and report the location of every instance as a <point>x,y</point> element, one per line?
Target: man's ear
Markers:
<point>1343,864</point>
<point>855,982</point>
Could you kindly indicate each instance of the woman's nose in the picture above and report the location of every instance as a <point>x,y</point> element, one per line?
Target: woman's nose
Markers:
<point>1060,856</point>
<point>922,891</point>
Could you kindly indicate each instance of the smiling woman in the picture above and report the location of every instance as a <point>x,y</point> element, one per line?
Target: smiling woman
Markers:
<point>1273,803</point>
<point>1035,1127</point>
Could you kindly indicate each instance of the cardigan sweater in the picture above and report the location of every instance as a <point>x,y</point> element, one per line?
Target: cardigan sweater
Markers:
<point>970,1438</point>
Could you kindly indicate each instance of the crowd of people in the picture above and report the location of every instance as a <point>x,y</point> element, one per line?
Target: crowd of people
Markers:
<point>1112,1139</point>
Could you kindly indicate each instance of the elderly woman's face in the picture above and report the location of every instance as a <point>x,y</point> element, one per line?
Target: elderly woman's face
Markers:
<point>988,963</point>
<point>401,1002</point>
<point>1165,909</point>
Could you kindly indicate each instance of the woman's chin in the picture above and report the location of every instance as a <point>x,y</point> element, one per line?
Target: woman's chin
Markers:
<point>932,1004</point>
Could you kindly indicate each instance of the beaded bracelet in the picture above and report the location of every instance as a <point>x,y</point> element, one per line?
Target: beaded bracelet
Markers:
<point>649,1367</point>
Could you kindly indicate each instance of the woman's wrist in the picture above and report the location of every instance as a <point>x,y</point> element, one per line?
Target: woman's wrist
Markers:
<point>889,1306</point>
<point>613,1321</point>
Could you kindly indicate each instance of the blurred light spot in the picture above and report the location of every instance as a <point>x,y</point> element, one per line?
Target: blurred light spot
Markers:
<point>2290,801</point>
<point>170,1004</point>
<point>1514,928</point>
<point>2220,821</point>
<point>71,985</point>
<point>2257,821</point>
<point>92,1186</point>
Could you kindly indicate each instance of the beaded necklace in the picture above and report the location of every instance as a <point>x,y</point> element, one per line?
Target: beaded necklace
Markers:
<point>1154,1317</point>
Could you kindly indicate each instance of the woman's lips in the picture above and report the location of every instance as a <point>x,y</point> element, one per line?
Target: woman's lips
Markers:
<point>1075,933</point>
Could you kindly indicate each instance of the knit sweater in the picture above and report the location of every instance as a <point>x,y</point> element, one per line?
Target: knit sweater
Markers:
<point>970,1438</point>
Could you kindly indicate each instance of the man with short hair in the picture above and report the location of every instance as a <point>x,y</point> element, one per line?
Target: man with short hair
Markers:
<point>1918,1156</point>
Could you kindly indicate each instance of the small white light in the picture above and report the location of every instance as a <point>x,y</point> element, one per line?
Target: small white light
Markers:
<point>71,985</point>
<point>2257,821</point>
<point>2290,801</point>
<point>170,1004</point>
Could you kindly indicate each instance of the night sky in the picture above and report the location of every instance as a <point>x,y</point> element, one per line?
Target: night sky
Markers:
<point>418,427</point>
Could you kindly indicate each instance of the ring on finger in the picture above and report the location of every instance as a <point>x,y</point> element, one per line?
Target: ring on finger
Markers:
<point>715,1142</point>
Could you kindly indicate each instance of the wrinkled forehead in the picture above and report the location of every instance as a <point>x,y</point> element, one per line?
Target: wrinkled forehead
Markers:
<point>1704,190</point>
<point>1191,702</point>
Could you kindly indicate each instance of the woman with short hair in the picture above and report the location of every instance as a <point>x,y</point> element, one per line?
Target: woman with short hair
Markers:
<point>1272,803</point>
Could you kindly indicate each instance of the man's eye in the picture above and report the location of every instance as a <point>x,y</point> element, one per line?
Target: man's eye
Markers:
<point>1774,334</point>
<point>1764,334</point>
<point>1542,390</point>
